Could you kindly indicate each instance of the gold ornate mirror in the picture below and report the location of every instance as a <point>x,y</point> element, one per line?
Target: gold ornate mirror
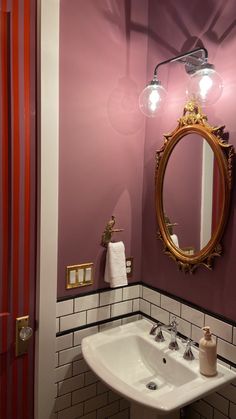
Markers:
<point>193,182</point>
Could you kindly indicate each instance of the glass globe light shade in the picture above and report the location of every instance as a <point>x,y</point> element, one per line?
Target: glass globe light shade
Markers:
<point>205,86</point>
<point>151,98</point>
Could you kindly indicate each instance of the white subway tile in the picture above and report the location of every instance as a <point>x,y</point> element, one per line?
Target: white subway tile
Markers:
<point>192,414</point>
<point>125,404</point>
<point>72,413</point>
<point>112,397</point>
<point>136,304</point>
<point>145,307</point>
<point>183,326</point>
<point>83,394</point>
<point>64,342</point>
<point>226,350</point>
<point>196,333</point>
<point>109,325</point>
<point>80,367</point>
<point>90,378</point>
<point>130,319</point>
<point>229,392</point>
<point>124,307</point>
<point>108,411</point>
<point>80,334</point>
<point>62,402</point>
<point>110,297</point>
<point>218,402</point>
<point>86,302</point>
<point>95,403</point>
<point>192,315</point>
<point>170,304</point>
<point>159,314</point>
<point>219,328</point>
<point>63,372</point>
<point>57,325</point>
<point>151,296</point>
<point>92,415</point>
<point>232,410</point>
<point>131,292</point>
<point>71,384</point>
<point>219,415</point>
<point>64,307</point>
<point>72,321</point>
<point>204,409</point>
<point>98,314</point>
<point>124,414</point>
<point>234,336</point>
<point>101,387</point>
<point>69,355</point>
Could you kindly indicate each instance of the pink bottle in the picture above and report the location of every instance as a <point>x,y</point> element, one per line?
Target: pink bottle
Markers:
<point>207,353</point>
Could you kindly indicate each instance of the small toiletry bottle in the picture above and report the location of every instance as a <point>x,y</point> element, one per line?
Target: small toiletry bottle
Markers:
<point>207,353</point>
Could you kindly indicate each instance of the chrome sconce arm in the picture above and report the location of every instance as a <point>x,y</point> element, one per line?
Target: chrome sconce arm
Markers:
<point>205,85</point>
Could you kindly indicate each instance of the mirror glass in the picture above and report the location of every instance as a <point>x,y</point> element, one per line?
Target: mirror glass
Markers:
<point>190,194</point>
<point>193,181</point>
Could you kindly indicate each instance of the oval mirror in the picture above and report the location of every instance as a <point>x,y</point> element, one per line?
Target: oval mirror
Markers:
<point>193,182</point>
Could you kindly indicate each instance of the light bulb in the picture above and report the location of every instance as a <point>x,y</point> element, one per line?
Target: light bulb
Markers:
<point>151,98</point>
<point>205,86</point>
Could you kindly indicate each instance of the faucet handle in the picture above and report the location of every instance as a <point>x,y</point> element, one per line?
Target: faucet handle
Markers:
<point>188,354</point>
<point>174,322</point>
<point>153,329</point>
<point>159,336</point>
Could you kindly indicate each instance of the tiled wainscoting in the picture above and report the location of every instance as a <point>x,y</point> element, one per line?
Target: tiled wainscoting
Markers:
<point>79,393</point>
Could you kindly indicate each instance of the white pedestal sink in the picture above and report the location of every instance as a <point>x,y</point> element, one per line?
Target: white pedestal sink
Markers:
<point>127,358</point>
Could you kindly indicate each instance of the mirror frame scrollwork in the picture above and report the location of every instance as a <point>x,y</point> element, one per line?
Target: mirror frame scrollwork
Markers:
<point>194,121</point>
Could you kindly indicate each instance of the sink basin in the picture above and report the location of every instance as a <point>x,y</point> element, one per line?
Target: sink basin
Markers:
<point>127,359</point>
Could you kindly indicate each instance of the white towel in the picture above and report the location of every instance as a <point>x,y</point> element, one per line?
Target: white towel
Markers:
<point>115,270</point>
<point>174,239</point>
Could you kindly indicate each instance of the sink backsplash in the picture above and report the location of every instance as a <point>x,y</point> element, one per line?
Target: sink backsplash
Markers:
<point>79,393</point>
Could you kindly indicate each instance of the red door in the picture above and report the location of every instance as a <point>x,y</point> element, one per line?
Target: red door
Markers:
<point>17,202</point>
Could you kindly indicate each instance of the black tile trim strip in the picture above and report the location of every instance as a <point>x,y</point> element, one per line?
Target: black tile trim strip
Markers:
<point>124,316</point>
<point>111,319</point>
<point>167,294</point>
<point>189,304</point>
<point>97,291</point>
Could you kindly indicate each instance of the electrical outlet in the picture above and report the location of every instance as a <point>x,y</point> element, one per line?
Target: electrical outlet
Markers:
<point>129,266</point>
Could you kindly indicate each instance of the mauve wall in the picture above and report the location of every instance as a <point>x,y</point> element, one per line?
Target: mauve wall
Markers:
<point>102,70</point>
<point>174,27</point>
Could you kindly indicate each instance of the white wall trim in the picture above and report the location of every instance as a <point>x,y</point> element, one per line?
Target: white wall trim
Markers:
<point>48,111</point>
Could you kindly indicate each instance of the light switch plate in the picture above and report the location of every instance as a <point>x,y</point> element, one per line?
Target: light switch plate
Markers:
<point>79,275</point>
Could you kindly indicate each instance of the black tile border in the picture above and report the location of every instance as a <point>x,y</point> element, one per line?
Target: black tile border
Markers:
<point>191,305</point>
<point>167,294</point>
<point>86,326</point>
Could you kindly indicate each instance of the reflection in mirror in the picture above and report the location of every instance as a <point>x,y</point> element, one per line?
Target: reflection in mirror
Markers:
<point>188,193</point>
<point>193,183</point>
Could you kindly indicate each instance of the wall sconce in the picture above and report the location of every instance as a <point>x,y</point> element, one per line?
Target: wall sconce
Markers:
<point>205,84</point>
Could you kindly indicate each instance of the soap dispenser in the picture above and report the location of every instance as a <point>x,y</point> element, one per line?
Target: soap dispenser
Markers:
<point>207,353</point>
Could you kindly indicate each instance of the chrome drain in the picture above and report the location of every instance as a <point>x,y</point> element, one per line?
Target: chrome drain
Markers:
<point>151,385</point>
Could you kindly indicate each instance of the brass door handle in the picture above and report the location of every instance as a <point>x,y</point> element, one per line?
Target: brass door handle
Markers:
<point>23,334</point>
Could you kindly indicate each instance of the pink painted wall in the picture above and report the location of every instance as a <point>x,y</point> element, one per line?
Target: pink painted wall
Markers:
<point>102,71</point>
<point>175,27</point>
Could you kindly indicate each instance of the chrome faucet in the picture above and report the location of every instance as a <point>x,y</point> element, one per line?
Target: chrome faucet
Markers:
<point>188,354</point>
<point>172,327</point>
